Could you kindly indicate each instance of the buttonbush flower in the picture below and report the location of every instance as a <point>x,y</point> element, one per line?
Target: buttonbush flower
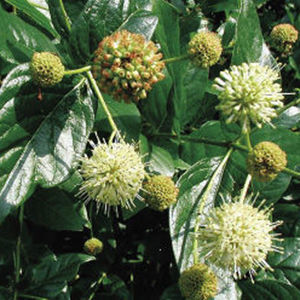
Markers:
<point>198,283</point>
<point>93,246</point>
<point>237,237</point>
<point>265,161</point>
<point>126,66</point>
<point>113,175</point>
<point>205,49</point>
<point>160,192</point>
<point>283,37</point>
<point>249,93</point>
<point>46,69</point>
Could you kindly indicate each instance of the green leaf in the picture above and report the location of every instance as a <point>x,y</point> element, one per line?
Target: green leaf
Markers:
<point>20,40</point>
<point>199,185</point>
<point>54,209</point>
<point>52,133</point>
<point>126,116</point>
<point>289,118</point>
<point>97,20</point>
<point>32,12</point>
<point>142,22</point>
<point>168,35</point>
<point>50,276</point>
<point>249,45</point>
<point>172,293</point>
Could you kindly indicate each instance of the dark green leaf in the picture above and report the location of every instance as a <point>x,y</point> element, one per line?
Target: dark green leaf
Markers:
<point>20,40</point>
<point>34,13</point>
<point>52,133</point>
<point>49,278</point>
<point>55,210</point>
<point>172,293</point>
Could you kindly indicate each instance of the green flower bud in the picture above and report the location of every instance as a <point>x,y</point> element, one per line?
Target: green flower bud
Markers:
<point>198,283</point>
<point>93,246</point>
<point>46,69</point>
<point>265,161</point>
<point>160,192</point>
<point>283,37</point>
<point>237,237</point>
<point>205,49</point>
<point>130,56</point>
<point>249,93</point>
<point>113,175</point>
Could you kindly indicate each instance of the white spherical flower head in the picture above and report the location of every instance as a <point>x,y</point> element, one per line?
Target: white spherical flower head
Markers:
<point>113,175</point>
<point>237,237</point>
<point>249,93</point>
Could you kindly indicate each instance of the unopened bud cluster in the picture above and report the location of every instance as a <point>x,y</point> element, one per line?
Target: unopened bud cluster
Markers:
<point>93,246</point>
<point>160,192</point>
<point>127,66</point>
<point>46,69</point>
<point>265,161</point>
<point>198,283</point>
<point>283,37</point>
<point>205,49</point>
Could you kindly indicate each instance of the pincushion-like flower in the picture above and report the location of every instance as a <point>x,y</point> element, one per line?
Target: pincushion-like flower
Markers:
<point>249,93</point>
<point>126,66</point>
<point>160,192</point>
<point>46,69</point>
<point>205,49</point>
<point>113,175</point>
<point>198,283</point>
<point>93,246</point>
<point>283,37</point>
<point>237,237</point>
<point>265,161</point>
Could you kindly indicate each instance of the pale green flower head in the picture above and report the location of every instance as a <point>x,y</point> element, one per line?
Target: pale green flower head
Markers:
<point>249,92</point>
<point>237,237</point>
<point>113,175</point>
<point>198,283</point>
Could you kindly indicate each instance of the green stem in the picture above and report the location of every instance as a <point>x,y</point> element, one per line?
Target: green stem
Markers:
<point>32,297</point>
<point>78,71</point>
<point>102,102</point>
<point>38,5</point>
<point>292,103</point>
<point>203,201</point>
<point>66,17</point>
<point>14,10</point>
<point>291,172</point>
<point>18,252</point>
<point>97,286</point>
<point>177,58</point>
<point>245,188</point>
<point>91,217</point>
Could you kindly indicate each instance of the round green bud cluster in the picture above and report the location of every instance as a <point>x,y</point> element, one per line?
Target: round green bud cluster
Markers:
<point>265,161</point>
<point>237,237</point>
<point>46,69</point>
<point>160,192</point>
<point>283,37</point>
<point>113,175</point>
<point>205,49</point>
<point>198,283</point>
<point>93,246</point>
<point>249,93</point>
<point>127,66</point>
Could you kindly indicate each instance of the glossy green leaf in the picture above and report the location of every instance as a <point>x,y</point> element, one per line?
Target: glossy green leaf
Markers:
<point>290,118</point>
<point>52,133</point>
<point>168,35</point>
<point>249,46</point>
<point>20,40</point>
<point>55,210</point>
<point>50,276</point>
<point>199,185</point>
<point>35,14</point>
